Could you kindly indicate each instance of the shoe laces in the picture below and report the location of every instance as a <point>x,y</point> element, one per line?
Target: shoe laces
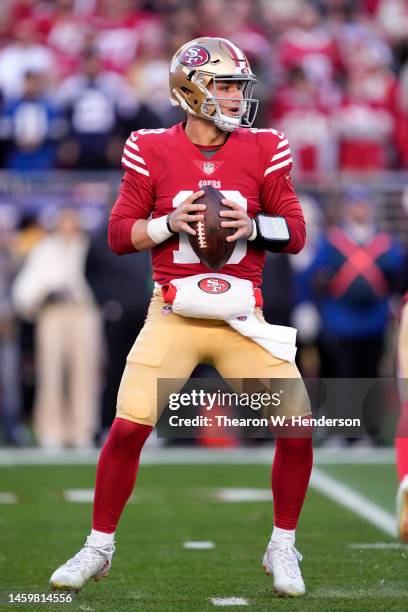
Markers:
<point>288,556</point>
<point>89,555</point>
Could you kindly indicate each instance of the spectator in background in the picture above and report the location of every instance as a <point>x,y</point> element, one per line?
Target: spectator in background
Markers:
<point>277,16</point>
<point>51,289</point>
<point>149,79</point>
<point>305,316</point>
<point>235,21</point>
<point>10,387</point>
<point>99,105</point>
<point>65,32</point>
<point>122,28</point>
<point>25,9</point>
<point>392,16</point>
<point>352,29</point>
<point>210,13</point>
<point>402,118</point>
<point>29,233</point>
<point>354,273</point>
<point>25,54</point>
<point>122,288</point>
<point>180,25</point>
<point>32,126</point>
<point>310,45</point>
<point>149,73</point>
<point>278,305</point>
<point>365,122</point>
<point>304,113</point>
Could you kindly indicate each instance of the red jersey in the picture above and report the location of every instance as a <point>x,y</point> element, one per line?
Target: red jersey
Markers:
<point>163,167</point>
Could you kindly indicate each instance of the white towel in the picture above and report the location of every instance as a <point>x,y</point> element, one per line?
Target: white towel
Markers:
<point>278,340</point>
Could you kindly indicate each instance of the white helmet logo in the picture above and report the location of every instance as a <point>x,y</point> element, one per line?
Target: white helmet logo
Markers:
<point>194,56</point>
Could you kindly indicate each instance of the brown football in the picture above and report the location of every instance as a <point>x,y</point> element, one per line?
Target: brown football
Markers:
<point>209,243</point>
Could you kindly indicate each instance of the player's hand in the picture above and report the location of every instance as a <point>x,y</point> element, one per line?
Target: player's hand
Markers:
<point>187,212</point>
<point>237,218</point>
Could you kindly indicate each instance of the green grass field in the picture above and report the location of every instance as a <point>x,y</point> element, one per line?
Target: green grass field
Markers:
<point>174,503</point>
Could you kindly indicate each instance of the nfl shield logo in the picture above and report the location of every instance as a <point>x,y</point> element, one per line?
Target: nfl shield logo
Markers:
<point>208,167</point>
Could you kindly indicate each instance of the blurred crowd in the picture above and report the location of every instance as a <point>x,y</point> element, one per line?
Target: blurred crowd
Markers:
<point>77,75</point>
<point>70,311</point>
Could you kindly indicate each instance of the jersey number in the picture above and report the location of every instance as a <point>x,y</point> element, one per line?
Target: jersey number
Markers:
<point>186,255</point>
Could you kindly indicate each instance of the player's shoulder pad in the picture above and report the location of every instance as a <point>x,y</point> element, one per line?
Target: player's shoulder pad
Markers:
<point>275,149</point>
<point>137,150</point>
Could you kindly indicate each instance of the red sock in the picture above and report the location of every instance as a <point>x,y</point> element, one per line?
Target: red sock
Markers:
<point>291,470</point>
<point>401,443</point>
<point>116,472</point>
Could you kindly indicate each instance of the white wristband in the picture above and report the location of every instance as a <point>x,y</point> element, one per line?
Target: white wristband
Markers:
<point>158,230</point>
<point>254,232</point>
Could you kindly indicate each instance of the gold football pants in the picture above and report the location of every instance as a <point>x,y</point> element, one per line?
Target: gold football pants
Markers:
<point>170,346</point>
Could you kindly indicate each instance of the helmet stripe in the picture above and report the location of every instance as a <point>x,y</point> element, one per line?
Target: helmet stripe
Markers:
<point>235,52</point>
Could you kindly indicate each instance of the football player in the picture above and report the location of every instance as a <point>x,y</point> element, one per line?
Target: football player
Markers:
<point>401,440</point>
<point>165,169</point>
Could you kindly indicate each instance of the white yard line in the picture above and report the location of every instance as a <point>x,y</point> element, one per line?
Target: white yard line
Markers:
<point>79,496</point>
<point>198,545</point>
<point>84,496</point>
<point>8,498</point>
<point>229,601</point>
<point>349,498</point>
<point>237,494</point>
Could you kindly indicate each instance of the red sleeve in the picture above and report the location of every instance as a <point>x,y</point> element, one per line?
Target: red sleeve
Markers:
<point>279,198</point>
<point>135,201</point>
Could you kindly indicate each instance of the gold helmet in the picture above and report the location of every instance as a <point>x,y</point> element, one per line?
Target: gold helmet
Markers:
<point>209,62</point>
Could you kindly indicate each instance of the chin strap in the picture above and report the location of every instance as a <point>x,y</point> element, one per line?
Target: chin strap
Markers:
<point>224,126</point>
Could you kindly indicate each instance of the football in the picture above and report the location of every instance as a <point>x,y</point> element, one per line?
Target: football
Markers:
<point>209,243</point>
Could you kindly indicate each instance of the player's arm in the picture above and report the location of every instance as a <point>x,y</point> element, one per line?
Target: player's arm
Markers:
<point>286,231</point>
<point>148,234</point>
<point>129,215</point>
<point>127,233</point>
<point>280,227</point>
<point>130,227</point>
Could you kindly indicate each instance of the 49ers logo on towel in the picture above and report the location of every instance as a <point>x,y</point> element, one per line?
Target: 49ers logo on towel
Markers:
<point>194,56</point>
<point>214,285</point>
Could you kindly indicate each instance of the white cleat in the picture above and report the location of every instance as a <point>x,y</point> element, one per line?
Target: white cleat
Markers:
<point>402,510</point>
<point>89,562</point>
<point>281,560</point>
